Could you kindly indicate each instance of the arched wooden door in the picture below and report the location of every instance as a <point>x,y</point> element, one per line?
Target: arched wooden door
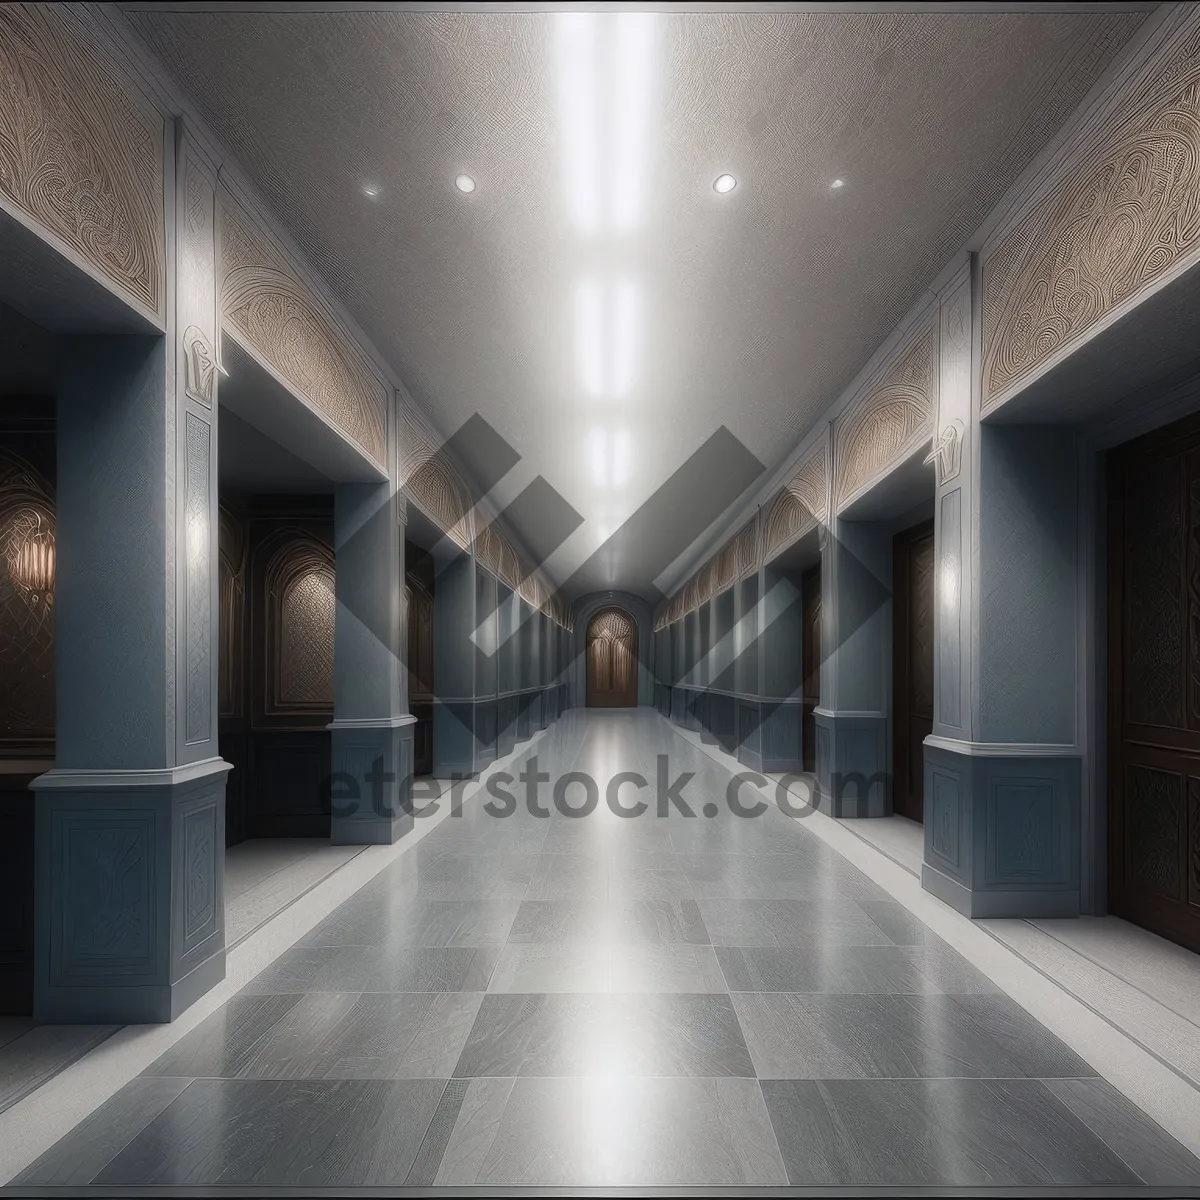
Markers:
<point>612,653</point>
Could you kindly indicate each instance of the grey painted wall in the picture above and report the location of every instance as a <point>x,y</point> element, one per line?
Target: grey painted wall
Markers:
<point>1029,545</point>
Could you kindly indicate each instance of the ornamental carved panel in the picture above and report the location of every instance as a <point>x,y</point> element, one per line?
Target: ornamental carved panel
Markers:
<point>611,659</point>
<point>299,585</point>
<point>27,534</point>
<point>891,418</point>
<point>436,488</point>
<point>1120,218</point>
<point>81,154</point>
<point>279,317</point>
<point>746,541</point>
<point>796,507</point>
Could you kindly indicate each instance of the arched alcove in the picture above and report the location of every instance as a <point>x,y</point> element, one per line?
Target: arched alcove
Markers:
<point>611,659</point>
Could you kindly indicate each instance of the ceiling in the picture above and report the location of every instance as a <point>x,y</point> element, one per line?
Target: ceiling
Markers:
<point>602,307</point>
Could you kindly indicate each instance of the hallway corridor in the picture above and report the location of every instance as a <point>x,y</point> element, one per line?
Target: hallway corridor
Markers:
<point>567,1001</point>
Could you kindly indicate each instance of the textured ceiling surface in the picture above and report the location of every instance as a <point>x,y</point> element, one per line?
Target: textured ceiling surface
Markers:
<point>751,310</point>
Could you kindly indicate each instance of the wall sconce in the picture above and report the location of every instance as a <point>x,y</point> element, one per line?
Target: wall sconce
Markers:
<point>32,562</point>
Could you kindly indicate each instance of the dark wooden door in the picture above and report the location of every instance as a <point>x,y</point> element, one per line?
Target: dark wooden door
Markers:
<point>418,635</point>
<point>1154,682</point>
<point>810,591</point>
<point>912,666</point>
<point>612,651</point>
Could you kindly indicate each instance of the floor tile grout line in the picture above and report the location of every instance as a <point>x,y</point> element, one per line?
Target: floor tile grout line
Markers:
<point>871,850</point>
<point>23,1123</point>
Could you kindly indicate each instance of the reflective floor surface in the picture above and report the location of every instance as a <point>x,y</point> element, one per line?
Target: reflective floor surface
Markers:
<point>554,1001</point>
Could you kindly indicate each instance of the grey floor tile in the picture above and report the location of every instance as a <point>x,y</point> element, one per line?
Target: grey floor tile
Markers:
<point>649,1034</point>
<point>1148,1150</point>
<point>650,920</point>
<point>800,875</point>
<point>934,1132</point>
<point>83,1153</point>
<point>432,1151</point>
<point>377,969</point>
<point>401,921</point>
<point>568,877</point>
<point>629,882</point>
<point>309,1132</point>
<point>224,1044</point>
<point>897,922</point>
<point>790,923</point>
<point>668,967</point>
<point>613,1132</point>
<point>604,967</point>
<point>339,1035</point>
<point>812,1036</point>
<point>834,968</point>
<point>551,967</point>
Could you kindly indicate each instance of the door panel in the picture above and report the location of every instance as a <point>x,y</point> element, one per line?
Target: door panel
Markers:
<point>1154,682</point>
<point>811,598</point>
<point>912,666</point>
<point>612,654</point>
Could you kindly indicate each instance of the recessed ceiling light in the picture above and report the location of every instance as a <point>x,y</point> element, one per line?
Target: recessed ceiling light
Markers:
<point>465,183</point>
<point>371,189</point>
<point>724,183</point>
<point>837,183</point>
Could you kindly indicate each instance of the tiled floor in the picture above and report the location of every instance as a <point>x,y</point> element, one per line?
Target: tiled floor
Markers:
<point>665,999</point>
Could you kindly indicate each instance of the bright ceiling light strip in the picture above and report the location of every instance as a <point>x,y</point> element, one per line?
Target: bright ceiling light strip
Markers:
<point>619,455</point>
<point>578,81</point>
<point>624,327</point>
<point>629,77</point>
<point>600,457</point>
<point>590,336</point>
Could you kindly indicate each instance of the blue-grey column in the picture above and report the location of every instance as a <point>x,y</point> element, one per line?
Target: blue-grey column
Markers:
<point>781,707</point>
<point>130,822</point>
<point>852,760</point>
<point>372,729</point>
<point>1002,767</point>
<point>454,624</point>
<point>747,651</point>
<point>507,682</point>
<point>484,638</point>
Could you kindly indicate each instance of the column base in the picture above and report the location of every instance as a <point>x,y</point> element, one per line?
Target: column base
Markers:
<point>749,739</point>
<point>506,724</point>
<point>130,871</point>
<point>779,731</point>
<point>1002,829</point>
<point>853,772</point>
<point>372,781</point>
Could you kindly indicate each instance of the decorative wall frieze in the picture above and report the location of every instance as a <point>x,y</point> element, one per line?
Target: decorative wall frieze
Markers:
<point>1121,213</point>
<point>796,507</point>
<point>747,543</point>
<point>81,153</point>
<point>736,559</point>
<point>432,483</point>
<point>891,417</point>
<point>271,310</point>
